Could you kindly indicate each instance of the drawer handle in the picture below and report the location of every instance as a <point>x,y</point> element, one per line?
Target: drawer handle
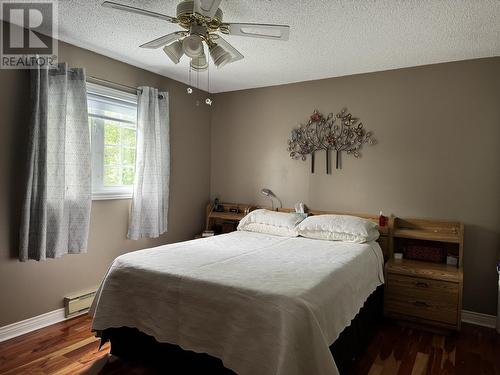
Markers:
<point>420,304</point>
<point>421,284</point>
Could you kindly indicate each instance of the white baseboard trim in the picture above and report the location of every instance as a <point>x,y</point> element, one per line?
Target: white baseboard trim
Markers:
<point>479,319</point>
<point>32,324</point>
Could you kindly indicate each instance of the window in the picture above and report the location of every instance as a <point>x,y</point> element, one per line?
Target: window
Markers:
<point>112,121</point>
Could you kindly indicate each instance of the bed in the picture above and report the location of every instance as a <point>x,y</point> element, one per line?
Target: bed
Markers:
<point>259,303</point>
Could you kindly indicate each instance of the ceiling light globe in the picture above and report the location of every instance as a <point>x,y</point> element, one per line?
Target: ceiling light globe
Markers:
<point>174,51</point>
<point>199,63</point>
<point>220,56</point>
<point>193,45</point>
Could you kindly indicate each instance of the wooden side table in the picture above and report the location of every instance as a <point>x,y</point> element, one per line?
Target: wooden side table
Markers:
<point>223,221</point>
<point>420,291</point>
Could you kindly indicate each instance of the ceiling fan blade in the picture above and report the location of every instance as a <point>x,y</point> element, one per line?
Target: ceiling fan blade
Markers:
<point>164,40</point>
<point>236,55</point>
<point>126,8</point>
<point>255,30</point>
<point>206,8</point>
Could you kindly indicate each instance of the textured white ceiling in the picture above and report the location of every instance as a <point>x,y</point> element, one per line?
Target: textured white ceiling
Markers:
<point>328,37</point>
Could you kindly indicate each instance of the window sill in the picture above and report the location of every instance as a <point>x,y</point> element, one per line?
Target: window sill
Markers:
<point>110,196</point>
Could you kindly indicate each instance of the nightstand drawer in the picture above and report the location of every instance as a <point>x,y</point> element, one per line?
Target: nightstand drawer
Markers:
<point>425,309</point>
<point>399,286</point>
<point>420,298</point>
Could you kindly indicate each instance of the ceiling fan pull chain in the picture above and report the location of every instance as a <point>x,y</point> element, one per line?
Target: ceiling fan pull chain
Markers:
<point>208,100</point>
<point>189,89</point>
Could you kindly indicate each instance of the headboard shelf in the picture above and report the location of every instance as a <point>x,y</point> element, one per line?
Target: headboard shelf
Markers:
<point>430,230</point>
<point>227,219</point>
<point>428,235</point>
<point>448,235</point>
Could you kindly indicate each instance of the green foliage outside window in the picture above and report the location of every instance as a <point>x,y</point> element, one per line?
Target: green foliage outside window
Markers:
<point>119,154</point>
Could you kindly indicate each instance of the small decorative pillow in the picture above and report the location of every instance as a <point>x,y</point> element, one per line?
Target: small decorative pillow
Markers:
<point>338,228</point>
<point>271,222</point>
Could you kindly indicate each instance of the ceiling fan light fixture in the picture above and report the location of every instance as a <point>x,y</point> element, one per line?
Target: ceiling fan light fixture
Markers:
<point>174,51</point>
<point>220,56</point>
<point>201,21</point>
<point>193,45</point>
<point>199,63</point>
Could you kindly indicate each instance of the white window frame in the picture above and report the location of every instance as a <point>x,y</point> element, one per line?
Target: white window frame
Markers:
<point>100,192</point>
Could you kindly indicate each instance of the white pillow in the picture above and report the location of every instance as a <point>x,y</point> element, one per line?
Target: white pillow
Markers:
<point>339,228</point>
<point>271,222</point>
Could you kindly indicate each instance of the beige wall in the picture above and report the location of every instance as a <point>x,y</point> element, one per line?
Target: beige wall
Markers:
<point>33,288</point>
<point>437,126</point>
<point>438,155</point>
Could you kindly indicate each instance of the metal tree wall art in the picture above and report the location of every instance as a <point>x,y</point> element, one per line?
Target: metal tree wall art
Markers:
<point>340,132</point>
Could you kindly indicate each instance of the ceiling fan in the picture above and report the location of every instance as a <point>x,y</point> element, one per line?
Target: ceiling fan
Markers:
<point>201,19</point>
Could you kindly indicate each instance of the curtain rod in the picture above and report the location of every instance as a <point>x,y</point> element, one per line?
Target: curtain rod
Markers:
<point>110,83</point>
<point>132,90</point>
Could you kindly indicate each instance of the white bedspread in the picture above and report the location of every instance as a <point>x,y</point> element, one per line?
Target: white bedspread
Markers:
<point>264,304</point>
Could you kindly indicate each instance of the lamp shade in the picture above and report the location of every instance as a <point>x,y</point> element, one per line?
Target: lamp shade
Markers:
<point>267,192</point>
<point>193,45</point>
<point>174,51</point>
<point>220,56</point>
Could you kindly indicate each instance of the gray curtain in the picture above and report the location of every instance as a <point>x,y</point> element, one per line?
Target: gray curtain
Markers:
<point>56,210</point>
<point>149,211</point>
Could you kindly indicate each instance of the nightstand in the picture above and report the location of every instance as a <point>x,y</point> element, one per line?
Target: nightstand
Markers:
<point>227,220</point>
<point>420,291</point>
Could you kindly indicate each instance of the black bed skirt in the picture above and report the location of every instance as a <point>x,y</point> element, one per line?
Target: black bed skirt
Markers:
<point>131,344</point>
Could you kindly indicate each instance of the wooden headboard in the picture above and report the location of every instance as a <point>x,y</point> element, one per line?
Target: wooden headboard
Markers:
<point>385,232</point>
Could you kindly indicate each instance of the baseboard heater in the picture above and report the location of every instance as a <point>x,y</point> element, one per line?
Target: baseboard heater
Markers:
<point>78,303</point>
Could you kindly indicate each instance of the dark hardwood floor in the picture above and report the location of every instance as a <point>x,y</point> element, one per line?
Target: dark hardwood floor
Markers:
<point>70,348</point>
